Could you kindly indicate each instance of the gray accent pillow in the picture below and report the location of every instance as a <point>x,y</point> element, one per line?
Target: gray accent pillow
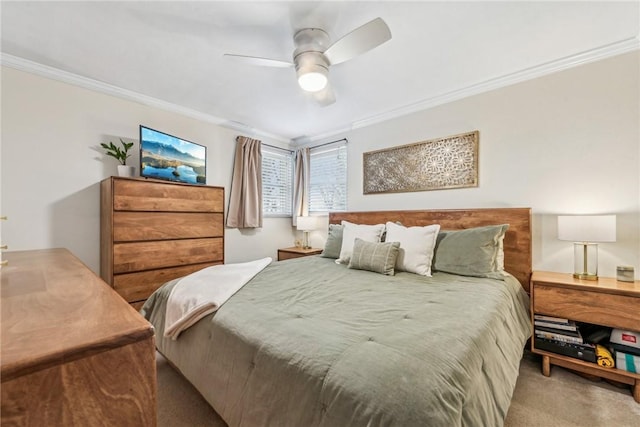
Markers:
<point>334,242</point>
<point>476,252</point>
<point>376,257</point>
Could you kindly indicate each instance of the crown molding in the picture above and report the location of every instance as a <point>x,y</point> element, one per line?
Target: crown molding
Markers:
<point>108,89</point>
<point>592,55</point>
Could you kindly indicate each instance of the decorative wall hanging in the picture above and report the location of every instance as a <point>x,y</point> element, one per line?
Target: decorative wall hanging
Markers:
<point>437,164</point>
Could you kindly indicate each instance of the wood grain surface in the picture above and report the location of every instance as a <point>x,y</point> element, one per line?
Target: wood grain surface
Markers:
<point>54,308</point>
<point>133,194</point>
<point>290,253</point>
<point>152,230</point>
<point>138,286</point>
<point>618,311</point>
<point>72,353</point>
<point>113,388</point>
<point>136,226</point>
<point>139,256</point>
<point>605,302</point>
<point>606,285</point>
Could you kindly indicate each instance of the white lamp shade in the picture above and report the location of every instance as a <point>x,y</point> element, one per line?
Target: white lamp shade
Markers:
<point>587,228</point>
<point>306,223</point>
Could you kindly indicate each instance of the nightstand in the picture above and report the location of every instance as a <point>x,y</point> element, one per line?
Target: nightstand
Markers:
<point>290,253</point>
<point>605,302</point>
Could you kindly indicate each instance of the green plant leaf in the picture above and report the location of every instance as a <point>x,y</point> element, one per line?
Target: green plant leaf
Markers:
<point>121,154</point>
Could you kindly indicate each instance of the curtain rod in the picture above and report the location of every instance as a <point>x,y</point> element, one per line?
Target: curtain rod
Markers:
<point>269,145</point>
<point>278,148</point>
<point>314,146</point>
<point>327,143</point>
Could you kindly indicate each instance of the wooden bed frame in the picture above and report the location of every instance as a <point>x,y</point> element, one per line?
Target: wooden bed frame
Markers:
<point>517,241</point>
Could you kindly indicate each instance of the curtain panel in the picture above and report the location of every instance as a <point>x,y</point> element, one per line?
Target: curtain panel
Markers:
<point>301,185</point>
<point>245,200</point>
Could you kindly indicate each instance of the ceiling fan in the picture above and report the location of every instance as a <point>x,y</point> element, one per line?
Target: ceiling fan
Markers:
<point>314,54</point>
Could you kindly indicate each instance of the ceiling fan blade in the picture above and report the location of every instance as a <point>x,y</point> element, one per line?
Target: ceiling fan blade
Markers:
<point>358,41</point>
<point>255,60</point>
<point>325,97</point>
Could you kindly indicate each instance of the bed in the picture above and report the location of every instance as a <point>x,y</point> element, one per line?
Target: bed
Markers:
<point>309,342</point>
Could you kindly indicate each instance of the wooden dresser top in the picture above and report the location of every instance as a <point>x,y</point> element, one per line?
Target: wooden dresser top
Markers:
<point>608,285</point>
<point>55,310</point>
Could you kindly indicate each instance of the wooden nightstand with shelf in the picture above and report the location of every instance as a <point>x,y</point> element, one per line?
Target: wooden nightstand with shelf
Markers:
<point>294,252</point>
<point>606,302</point>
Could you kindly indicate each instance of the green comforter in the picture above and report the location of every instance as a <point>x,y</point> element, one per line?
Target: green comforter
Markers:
<point>308,342</point>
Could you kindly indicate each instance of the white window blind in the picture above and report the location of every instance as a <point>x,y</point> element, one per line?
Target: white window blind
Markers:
<point>328,181</point>
<point>277,181</point>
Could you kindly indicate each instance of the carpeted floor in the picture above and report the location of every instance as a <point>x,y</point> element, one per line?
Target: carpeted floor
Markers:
<point>562,400</point>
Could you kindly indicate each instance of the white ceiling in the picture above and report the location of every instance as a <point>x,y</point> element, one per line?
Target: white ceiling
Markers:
<point>172,52</point>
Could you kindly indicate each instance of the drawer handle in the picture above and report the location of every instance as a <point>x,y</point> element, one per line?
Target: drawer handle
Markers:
<point>5,262</point>
<point>3,218</point>
<point>4,247</point>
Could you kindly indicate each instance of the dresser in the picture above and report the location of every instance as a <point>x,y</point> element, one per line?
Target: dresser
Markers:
<point>73,353</point>
<point>155,231</point>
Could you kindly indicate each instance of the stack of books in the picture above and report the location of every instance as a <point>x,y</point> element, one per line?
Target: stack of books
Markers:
<point>562,336</point>
<point>556,328</point>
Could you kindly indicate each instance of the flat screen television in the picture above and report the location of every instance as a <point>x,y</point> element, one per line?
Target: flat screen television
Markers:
<point>164,156</point>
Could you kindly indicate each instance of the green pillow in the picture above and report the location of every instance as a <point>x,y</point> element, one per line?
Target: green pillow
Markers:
<point>334,242</point>
<point>474,252</point>
<point>376,257</point>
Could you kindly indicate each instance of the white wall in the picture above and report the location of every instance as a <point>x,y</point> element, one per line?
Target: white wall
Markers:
<point>567,143</point>
<point>52,164</point>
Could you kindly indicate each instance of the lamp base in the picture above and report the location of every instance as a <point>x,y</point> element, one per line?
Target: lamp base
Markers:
<point>585,276</point>
<point>585,264</point>
<point>305,240</point>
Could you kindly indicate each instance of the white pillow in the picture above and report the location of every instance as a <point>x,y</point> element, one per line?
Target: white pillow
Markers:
<point>368,233</point>
<point>416,246</point>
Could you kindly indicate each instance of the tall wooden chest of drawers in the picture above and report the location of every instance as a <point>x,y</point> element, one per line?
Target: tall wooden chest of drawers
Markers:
<point>154,231</point>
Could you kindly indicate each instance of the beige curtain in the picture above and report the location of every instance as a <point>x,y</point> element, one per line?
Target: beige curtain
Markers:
<point>245,200</point>
<point>301,185</point>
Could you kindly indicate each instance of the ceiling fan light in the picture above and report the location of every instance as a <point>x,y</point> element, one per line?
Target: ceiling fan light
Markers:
<point>313,81</point>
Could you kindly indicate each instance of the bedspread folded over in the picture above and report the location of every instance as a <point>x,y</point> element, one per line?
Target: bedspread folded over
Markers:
<point>203,292</point>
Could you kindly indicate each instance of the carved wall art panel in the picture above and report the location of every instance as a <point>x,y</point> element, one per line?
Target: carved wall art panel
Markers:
<point>437,164</point>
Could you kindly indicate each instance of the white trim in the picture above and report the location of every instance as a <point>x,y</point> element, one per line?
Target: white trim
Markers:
<point>108,89</point>
<point>596,54</point>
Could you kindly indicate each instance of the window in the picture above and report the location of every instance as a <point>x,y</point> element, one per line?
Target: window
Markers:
<point>277,181</point>
<point>328,181</point>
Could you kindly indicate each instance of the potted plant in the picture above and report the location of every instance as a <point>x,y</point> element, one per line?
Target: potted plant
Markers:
<point>120,154</point>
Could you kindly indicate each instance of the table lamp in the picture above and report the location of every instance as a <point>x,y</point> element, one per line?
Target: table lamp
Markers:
<point>586,231</point>
<point>306,224</point>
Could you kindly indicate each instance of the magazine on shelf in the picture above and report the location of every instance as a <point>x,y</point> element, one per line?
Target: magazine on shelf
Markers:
<point>544,317</point>
<point>568,326</point>
<point>559,336</point>
<point>575,333</point>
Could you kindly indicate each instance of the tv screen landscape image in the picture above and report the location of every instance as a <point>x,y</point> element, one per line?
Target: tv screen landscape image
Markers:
<point>164,156</point>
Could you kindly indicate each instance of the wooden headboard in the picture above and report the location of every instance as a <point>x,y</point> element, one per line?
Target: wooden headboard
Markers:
<point>517,241</point>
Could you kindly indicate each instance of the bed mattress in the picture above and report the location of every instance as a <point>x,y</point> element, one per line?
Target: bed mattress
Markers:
<point>308,342</point>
